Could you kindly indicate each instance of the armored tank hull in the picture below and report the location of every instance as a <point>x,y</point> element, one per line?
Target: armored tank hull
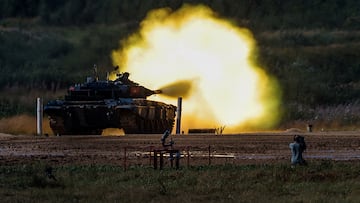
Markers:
<point>96,105</point>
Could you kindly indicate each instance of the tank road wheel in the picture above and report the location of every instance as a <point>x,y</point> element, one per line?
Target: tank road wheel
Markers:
<point>89,131</point>
<point>147,126</point>
<point>152,126</point>
<point>141,125</point>
<point>95,132</point>
<point>159,126</point>
<point>170,124</point>
<point>156,126</point>
<point>129,123</point>
<point>98,131</point>
<point>164,125</point>
<point>132,129</point>
<point>57,125</point>
<point>70,127</point>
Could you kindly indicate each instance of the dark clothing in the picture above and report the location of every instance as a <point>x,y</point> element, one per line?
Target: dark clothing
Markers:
<point>296,154</point>
<point>297,148</point>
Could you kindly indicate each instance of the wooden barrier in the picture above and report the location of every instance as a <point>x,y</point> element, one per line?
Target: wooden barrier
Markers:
<point>202,130</point>
<point>173,154</point>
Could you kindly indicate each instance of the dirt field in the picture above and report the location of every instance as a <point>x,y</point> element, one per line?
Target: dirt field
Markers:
<point>262,147</point>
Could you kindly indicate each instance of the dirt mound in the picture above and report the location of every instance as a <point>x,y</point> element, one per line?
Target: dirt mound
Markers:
<point>5,135</point>
<point>294,130</point>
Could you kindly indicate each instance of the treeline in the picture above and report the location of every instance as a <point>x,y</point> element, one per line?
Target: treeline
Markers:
<point>315,67</point>
<point>53,58</point>
<point>256,14</point>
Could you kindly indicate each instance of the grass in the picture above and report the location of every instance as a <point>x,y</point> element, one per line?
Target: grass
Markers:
<point>321,181</point>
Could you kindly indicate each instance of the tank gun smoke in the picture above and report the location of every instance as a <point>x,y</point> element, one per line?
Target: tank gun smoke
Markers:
<point>180,88</point>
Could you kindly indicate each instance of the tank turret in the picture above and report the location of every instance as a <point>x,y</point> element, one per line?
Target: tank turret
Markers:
<point>90,107</point>
<point>122,87</point>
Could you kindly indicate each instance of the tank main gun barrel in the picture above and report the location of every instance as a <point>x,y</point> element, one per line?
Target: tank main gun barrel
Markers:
<point>157,91</point>
<point>143,92</point>
<point>151,92</point>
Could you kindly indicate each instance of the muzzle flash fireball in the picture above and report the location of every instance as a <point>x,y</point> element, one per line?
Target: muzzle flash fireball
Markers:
<point>227,87</point>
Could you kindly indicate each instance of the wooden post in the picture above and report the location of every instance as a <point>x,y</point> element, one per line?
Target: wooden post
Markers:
<point>209,155</point>
<point>155,159</point>
<point>161,160</point>
<point>39,116</point>
<point>178,116</point>
<point>171,159</point>
<point>150,150</point>
<point>188,156</point>
<point>173,154</point>
<point>124,158</point>
<point>177,161</point>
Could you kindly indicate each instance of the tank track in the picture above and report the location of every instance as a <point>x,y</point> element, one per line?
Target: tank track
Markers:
<point>140,126</point>
<point>59,126</point>
<point>142,117</point>
<point>150,118</point>
<point>144,126</point>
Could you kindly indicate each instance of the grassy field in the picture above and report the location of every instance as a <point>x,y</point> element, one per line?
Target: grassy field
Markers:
<point>321,181</point>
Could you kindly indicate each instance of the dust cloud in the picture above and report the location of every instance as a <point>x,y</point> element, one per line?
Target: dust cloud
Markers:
<point>23,125</point>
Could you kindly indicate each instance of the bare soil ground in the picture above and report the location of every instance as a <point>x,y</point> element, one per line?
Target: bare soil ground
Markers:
<point>245,148</point>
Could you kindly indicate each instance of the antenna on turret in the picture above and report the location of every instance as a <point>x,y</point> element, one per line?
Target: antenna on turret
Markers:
<point>107,76</point>
<point>96,75</point>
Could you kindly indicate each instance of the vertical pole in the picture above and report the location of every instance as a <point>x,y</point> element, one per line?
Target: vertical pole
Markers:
<point>124,158</point>
<point>39,116</point>
<point>209,155</point>
<point>178,156</point>
<point>178,116</point>
<point>155,159</point>
<point>161,160</point>
<point>188,156</point>
<point>171,158</point>
<point>150,150</point>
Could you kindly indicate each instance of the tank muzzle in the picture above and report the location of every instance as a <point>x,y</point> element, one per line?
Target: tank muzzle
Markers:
<point>157,91</point>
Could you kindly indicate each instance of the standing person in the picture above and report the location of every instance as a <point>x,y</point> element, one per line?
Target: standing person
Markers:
<point>163,138</point>
<point>297,148</point>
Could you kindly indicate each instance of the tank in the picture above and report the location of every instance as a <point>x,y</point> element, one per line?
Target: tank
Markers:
<point>95,105</point>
